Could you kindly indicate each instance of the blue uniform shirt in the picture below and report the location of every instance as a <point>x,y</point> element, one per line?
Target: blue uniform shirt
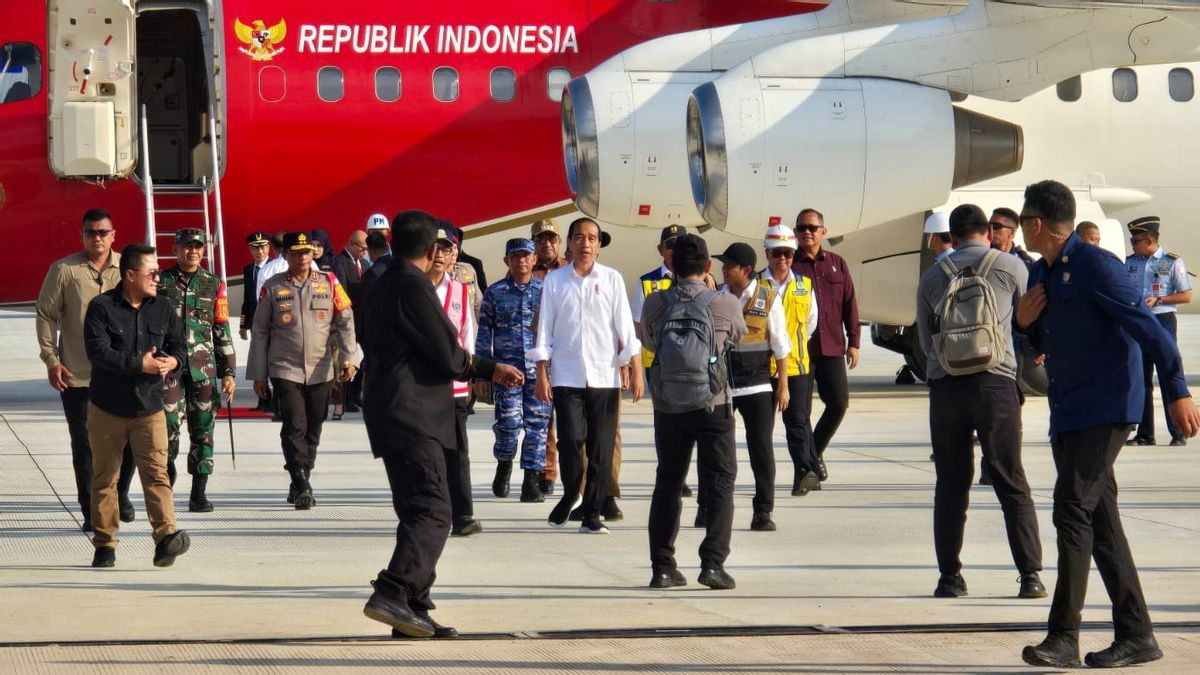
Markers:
<point>1161,274</point>
<point>1090,332</point>
<point>506,330</point>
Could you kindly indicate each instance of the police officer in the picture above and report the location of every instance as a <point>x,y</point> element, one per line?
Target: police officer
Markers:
<point>506,332</point>
<point>297,313</point>
<point>1082,311</point>
<point>203,308</point>
<point>1163,281</point>
<point>800,309</point>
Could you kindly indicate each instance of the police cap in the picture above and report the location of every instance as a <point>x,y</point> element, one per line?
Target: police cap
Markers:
<point>297,241</point>
<point>447,234</point>
<point>258,239</point>
<point>189,235</point>
<point>1145,225</point>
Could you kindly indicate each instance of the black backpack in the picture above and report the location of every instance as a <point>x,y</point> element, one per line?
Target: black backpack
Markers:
<point>689,367</point>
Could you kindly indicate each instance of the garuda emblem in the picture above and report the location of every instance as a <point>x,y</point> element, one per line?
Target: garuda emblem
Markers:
<point>261,43</point>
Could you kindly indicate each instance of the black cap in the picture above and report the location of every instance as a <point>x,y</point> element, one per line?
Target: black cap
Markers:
<point>297,241</point>
<point>671,232</point>
<point>689,248</point>
<point>258,239</point>
<point>1145,225</point>
<point>739,254</point>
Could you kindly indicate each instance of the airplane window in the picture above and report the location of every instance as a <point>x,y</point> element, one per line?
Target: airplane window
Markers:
<point>272,84</point>
<point>445,84</point>
<point>387,84</point>
<point>331,85</point>
<point>1181,84</point>
<point>20,72</point>
<point>1070,90</point>
<point>504,84</point>
<point>1124,84</point>
<point>556,79</point>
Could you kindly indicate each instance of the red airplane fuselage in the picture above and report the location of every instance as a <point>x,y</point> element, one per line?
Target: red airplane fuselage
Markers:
<point>296,162</point>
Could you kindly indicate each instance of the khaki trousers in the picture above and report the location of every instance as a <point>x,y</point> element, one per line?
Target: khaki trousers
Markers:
<point>147,436</point>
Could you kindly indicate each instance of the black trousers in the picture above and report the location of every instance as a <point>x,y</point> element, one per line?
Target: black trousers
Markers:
<point>586,417</point>
<point>797,424</point>
<point>458,465</point>
<point>302,407</point>
<point>421,498</point>
<point>829,375</point>
<point>674,436</point>
<point>1089,526</point>
<point>1146,428</point>
<point>74,403</point>
<point>987,404</point>
<point>758,418</point>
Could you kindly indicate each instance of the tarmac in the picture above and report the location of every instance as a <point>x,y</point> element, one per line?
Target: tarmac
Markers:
<point>844,585</point>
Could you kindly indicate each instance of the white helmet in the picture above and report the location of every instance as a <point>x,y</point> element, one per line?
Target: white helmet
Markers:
<point>377,221</point>
<point>937,223</point>
<point>780,236</point>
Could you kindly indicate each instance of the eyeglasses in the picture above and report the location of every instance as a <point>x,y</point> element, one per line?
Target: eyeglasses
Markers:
<point>782,253</point>
<point>999,226</point>
<point>444,250</point>
<point>808,228</point>
<point>103,234</point>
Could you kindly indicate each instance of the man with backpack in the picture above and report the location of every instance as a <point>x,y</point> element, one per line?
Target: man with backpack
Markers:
<point>965,309</point>
<point>690,329</point>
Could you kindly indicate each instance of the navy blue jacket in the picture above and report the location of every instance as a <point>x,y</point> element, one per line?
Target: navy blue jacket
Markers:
<point>1090,331</point>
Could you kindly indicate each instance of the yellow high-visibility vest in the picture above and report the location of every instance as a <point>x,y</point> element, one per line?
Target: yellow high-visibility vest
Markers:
<point>652,286</point>
<point>797,299</point>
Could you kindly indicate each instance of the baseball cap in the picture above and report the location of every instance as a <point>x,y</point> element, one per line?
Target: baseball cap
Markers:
<point>689,248</point>
<point>518,244</point>
<point>739,254</point>
<point>780,236</point>
<point>543,227</point>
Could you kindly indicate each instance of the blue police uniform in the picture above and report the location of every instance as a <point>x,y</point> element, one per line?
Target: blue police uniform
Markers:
<point>1090,332</point>
<point>1160,274</point>
<point>506,333</point>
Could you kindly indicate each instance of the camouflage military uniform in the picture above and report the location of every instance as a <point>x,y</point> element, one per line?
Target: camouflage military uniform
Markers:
<point>200,302</point>
<point>506,332</point>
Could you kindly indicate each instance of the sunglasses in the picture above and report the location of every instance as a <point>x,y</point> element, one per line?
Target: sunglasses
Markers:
<point>153,274</point>
<point>998,226</point>
<point>781,253</point>
<point>808,228</point>
<point>103,234</point>
<point>1139,240</point>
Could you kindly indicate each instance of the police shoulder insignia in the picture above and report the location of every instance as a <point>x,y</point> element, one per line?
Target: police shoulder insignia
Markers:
<point>1172,256</point>
<point>341,301</point>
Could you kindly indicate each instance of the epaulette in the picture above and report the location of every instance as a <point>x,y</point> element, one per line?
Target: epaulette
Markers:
<point>1172,256</point>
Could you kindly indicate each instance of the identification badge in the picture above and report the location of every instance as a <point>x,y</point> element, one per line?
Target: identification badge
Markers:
<point>760,304</point>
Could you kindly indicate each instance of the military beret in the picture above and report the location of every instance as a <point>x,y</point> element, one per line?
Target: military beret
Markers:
<point>189,235</point>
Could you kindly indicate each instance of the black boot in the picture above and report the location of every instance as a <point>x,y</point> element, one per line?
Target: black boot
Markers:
<point>302,491</point>
<point>530,491</point>
<point>198,502</point>
<point>171,473</point>
<point>389,604</point>
<point>503,476</point>
<point>1058,650</point>
<point>545,485</point>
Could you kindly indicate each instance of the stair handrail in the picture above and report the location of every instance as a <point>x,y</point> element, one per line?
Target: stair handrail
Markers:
<point>148,183</point>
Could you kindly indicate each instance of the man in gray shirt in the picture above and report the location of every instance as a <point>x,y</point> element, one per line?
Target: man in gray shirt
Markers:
<point>985,403</point>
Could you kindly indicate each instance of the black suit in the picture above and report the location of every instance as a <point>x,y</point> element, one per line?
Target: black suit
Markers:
<point>412,357</point>
<point>249,298</point>
<point>350,272</point>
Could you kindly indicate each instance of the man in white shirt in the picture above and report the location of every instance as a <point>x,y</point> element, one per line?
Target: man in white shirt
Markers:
<point>762,352</point>
<point>585,335</point>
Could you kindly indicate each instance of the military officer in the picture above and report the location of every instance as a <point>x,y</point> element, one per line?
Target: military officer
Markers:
<point>260,250</point>
<point>1163,280</point>
<point>200,302</point>
<point>506,332</point>
<point>297,313</point>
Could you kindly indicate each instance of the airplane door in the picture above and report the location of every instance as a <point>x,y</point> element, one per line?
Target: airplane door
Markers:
<point>92,91</point>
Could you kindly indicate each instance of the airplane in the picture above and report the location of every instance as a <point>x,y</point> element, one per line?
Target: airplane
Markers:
<point>320,113</point>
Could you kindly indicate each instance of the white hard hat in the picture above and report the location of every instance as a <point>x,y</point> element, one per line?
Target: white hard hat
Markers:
<point>937,223</point>
<point>780,236</point>
<point>377,221</point>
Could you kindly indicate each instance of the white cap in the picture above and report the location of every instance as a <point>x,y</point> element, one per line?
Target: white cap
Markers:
<point>937,223</point>
<point>378,221</point>
<point>780,236</point>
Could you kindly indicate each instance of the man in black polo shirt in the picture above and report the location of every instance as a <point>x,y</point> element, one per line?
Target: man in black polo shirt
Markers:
<point>134,341</point>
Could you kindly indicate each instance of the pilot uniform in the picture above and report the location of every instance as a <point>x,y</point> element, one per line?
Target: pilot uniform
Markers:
<point>1161,274</point>
<point>250,277</point>
<point>291,345</point>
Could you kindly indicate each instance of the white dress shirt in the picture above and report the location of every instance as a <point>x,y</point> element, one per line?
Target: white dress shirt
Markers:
<point>777,334</point>
<point>639,299</point>
<point>810,322</point>
<point>585,328</point>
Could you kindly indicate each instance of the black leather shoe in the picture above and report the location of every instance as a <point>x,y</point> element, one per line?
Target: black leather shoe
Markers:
<point>1058,650</point>
<point>716,578</point>
<point>503,476</point>
<point>440,632</point>
<point>530,492</point>
<point>466,528</point>
<point>388,605</point>
<point>301,492</point>
<point>1126,652</point>
<point>562,510</point>
<point>761,522</point>
<point>198,501</point>
<point>1178,442</point>
<point>105,556</point>
<point>1031,586</point>
<point>822,472</point>
<point>546,486</point>
<point>611,511</point>
<point>701,518</point>
<point>172,546</point>
<point>127,513</point>
<point>671,579</point>
<point>805,483</point>
<point>1141,440</point>
<point>950,586</point>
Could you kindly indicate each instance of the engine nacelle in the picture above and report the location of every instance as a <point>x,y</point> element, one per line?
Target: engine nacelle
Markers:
<point>860,150</point>
<point>624,148</point>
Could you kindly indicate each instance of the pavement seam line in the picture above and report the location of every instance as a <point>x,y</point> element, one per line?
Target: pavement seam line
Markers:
<point>49,483</point>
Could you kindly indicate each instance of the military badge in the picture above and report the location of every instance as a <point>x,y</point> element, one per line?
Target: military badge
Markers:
<point>287,318</point>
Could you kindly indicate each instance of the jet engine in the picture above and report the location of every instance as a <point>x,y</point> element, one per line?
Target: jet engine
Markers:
<point>860,150</point>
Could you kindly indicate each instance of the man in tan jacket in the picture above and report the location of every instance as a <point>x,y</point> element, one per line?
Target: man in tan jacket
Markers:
<point>70,285</point>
